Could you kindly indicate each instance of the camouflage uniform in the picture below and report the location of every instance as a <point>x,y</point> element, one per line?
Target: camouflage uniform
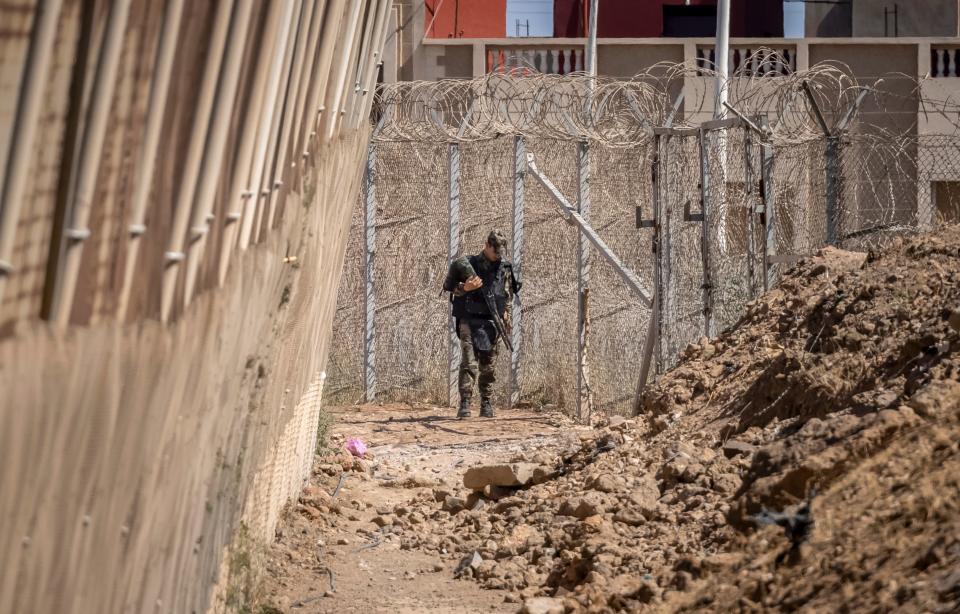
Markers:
<point>475,328</point>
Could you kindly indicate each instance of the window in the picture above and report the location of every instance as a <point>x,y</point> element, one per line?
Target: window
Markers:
<point>686,21</point>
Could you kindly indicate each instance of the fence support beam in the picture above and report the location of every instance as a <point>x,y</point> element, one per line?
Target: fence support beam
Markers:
<point>705,207</point>
<point>571,216</point>
<point>453,248</point>
<point>519,170</point>
<point>369,252</point>
<point>13,176</point>
<point>584,404</point>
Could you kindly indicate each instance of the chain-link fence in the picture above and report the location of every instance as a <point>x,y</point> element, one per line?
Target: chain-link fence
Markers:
<point>706,214</point>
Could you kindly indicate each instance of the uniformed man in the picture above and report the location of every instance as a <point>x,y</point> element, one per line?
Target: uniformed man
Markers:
<point>468,280</point>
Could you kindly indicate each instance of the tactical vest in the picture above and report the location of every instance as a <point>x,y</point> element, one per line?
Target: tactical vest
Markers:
<point>495,276</point>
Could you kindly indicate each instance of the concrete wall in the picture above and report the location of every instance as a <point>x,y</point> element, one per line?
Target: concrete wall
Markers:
<point>870,18</point>
<point>135,445</point>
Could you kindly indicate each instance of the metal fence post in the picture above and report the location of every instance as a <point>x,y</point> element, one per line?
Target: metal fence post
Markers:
<point>769,211</point>
<point>749,196</point>
<point>833,187</point>
<point>705,246</point>
<point>661,255</point>
<point>453,248</point>
<point>369,251</point>
<point>583,282</point>
<point>519,170</point>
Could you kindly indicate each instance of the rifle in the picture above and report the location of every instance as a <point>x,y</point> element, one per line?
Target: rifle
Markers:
<point>495,316</point>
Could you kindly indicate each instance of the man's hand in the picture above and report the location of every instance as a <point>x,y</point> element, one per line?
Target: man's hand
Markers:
<point>472,284</point>
<point>508,328</point>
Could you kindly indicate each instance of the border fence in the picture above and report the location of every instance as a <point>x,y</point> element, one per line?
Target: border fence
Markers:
<point>639,224</point>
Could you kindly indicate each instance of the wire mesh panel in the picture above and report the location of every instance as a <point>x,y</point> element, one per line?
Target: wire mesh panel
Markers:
<point>410,257</point>
<point>682,303</point>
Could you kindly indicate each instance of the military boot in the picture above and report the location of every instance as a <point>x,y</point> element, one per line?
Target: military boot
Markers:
<point>486,409</point>
<point>464,411</point>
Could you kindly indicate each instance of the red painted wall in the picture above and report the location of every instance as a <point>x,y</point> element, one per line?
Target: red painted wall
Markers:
<point>466,18</point>
<point>644,18</point>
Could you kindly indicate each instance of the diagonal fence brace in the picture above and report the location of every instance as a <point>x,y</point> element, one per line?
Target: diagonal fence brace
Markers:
<point>572,217</point>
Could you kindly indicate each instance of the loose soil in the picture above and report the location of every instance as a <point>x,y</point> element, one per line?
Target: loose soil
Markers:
<point>806,459</point>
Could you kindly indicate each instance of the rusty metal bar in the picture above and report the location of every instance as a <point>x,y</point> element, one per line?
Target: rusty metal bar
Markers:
<point>191,170</point>
<point>81,195</point>
<point>34,81</point>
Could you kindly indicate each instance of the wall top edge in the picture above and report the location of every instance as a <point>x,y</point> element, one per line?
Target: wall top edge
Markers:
<point>679,42</point>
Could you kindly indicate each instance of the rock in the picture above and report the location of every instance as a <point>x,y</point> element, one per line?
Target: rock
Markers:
<point>954,320</point>
<point>543,605</point>
<point>382,520</point>
<point>581,507</point>
<point>513,474</point>
<point>454,504</point>
<point>630,517</point>
<point>734,448</point>
<point>495,493</point>
<point>606,483</point>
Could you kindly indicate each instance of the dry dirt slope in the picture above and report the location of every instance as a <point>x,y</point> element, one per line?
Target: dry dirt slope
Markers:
<point>840,388</point>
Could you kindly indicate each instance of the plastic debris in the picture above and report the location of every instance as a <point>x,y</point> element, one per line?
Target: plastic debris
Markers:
<point>356,447</point>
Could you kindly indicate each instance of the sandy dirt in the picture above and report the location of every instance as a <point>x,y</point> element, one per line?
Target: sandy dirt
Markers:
<point>807,459</point>
<point>413,452</point>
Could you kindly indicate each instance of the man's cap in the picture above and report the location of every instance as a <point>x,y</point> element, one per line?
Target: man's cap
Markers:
<point>498,242</point>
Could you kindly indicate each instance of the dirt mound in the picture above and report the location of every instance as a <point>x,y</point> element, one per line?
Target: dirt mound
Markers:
<point>836,392</point>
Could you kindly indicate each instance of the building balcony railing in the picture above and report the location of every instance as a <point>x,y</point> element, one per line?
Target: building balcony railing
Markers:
<point>546,60</point>
<point>944,60</point>
<point>749,61</point>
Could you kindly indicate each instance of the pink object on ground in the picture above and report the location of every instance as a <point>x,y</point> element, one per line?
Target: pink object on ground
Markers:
<point>356,447</point>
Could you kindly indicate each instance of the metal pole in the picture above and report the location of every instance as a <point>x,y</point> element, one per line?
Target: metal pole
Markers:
<point>365,99</point>
<point>453,248</point>
<point>238,197</point>
<point>295,85</point>
<point>14,176</point>
<point>750,200</point>
<point>81,196</point>
<point>269,185</point>
<point>347,96</point>
<point>151,143</point>
<point>334,93</point>
<point>216,146</point>
<point>276,51</point>
<point>591,63</point>
<point>833,187</point>
<point>722,58</point>
<point>652,349</point>
<point>332,25</point>
<point>519,170</point>
<point>191,170</point>
<point>308,77</point>
<point>769,211</point>
<point>706,206</point>
<point>583,280</point>
<point>369,303</point>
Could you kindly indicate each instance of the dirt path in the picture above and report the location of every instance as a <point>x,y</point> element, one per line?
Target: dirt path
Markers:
<point>416,452</point>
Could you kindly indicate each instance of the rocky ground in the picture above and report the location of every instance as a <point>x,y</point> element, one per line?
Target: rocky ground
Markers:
<point>808,458</point>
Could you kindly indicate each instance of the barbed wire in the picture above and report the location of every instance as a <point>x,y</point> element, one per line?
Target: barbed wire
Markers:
<point>623,113</point>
